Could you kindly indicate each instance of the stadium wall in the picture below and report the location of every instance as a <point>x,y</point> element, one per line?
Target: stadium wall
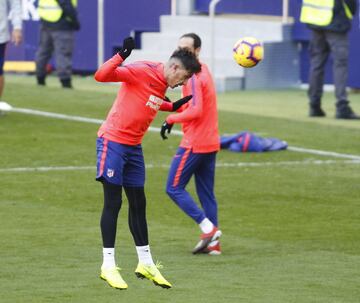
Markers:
<point>121,18</point>
<point>134,17</point>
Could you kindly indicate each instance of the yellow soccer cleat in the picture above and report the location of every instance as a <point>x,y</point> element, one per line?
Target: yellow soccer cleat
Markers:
<point>113,277</point>
<point>152,273</point>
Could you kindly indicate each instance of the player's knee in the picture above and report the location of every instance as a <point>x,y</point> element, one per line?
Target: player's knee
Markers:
<point>113,205</point>
<point>171,191</point>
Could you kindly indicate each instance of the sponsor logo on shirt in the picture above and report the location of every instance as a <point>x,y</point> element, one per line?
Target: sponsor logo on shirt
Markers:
<point>154,102</point>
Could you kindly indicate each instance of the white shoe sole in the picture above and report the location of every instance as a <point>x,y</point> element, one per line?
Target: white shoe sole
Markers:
<point>214,253</point>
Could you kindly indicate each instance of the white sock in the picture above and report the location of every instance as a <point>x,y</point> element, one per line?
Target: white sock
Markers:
<point>206,226</point>
<point>144,255</point>
<point>108,258</point>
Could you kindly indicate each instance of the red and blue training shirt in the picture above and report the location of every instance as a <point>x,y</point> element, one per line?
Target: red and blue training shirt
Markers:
<point>199,117</point>
<point>139,98</point>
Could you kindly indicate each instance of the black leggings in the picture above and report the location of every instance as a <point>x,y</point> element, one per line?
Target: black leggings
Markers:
<point>137,213</point>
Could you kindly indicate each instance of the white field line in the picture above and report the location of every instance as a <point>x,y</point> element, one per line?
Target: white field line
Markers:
<point>74,118</point>
<point>174,132</point>
<point>323,153</point>
<point>154,166</point>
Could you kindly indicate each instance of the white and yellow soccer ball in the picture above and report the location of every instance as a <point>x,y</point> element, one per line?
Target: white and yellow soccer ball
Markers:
<point>248,52</point>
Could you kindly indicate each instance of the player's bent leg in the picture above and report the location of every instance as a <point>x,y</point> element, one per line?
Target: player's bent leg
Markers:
<point>152,273</point>
<point>186,203</point>
<point>113,278</point>
<point>204,181</point>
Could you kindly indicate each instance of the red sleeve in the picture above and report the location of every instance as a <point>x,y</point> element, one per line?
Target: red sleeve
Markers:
<point>110,71</point>
<point>195,107</point>
<point>166,106</point>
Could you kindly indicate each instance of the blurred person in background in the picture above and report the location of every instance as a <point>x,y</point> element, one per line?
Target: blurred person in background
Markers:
<point>14,8</point>
<point>330,22</point>
<point>120,161</point>
<point>196,155</point>
<point>58,22</point>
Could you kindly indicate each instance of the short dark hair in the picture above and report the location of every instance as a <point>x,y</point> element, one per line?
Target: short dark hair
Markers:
<point>188,60</point>
<point>195,37</point>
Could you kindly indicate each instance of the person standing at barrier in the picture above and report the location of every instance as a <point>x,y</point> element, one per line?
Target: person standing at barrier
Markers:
<point>330,22</point>
<point>196,155</point>
<point>6,6</point>
<point>120,161</point>
<point>59,21</point>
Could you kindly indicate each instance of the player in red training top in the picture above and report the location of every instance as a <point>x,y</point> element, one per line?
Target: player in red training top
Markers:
<point>197,152</point>
<point>120,161</point>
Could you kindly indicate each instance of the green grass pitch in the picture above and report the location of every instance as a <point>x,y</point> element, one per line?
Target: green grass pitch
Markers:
<point>290,220</point>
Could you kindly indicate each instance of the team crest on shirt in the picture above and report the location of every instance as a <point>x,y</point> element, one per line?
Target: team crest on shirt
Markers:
<point>154,102</point>
<point>110,173</point>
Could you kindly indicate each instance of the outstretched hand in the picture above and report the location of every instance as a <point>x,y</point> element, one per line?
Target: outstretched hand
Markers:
<point>177,104</point>
<point>165,127</point>
<point>128,46</point>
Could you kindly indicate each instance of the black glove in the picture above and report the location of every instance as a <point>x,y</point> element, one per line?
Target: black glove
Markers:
<point>177,104</point>
<point>165,127</point>
<point>128,46</point>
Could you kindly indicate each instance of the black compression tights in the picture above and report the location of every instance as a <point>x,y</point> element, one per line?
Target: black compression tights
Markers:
<point>137,213</point>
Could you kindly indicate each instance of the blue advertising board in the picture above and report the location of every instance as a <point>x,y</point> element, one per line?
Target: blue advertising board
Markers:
<point>122,18</point>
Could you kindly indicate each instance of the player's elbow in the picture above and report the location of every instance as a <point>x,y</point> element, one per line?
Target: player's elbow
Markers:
<point>99,76</point>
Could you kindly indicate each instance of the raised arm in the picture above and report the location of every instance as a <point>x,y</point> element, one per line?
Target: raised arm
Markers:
<point>110,71</point>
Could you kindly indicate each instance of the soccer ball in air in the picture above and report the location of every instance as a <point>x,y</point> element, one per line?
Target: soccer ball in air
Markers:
<point>248,52</point>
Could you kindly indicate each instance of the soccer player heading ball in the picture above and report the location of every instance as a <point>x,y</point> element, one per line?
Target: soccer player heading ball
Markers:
<point>120,161</point>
